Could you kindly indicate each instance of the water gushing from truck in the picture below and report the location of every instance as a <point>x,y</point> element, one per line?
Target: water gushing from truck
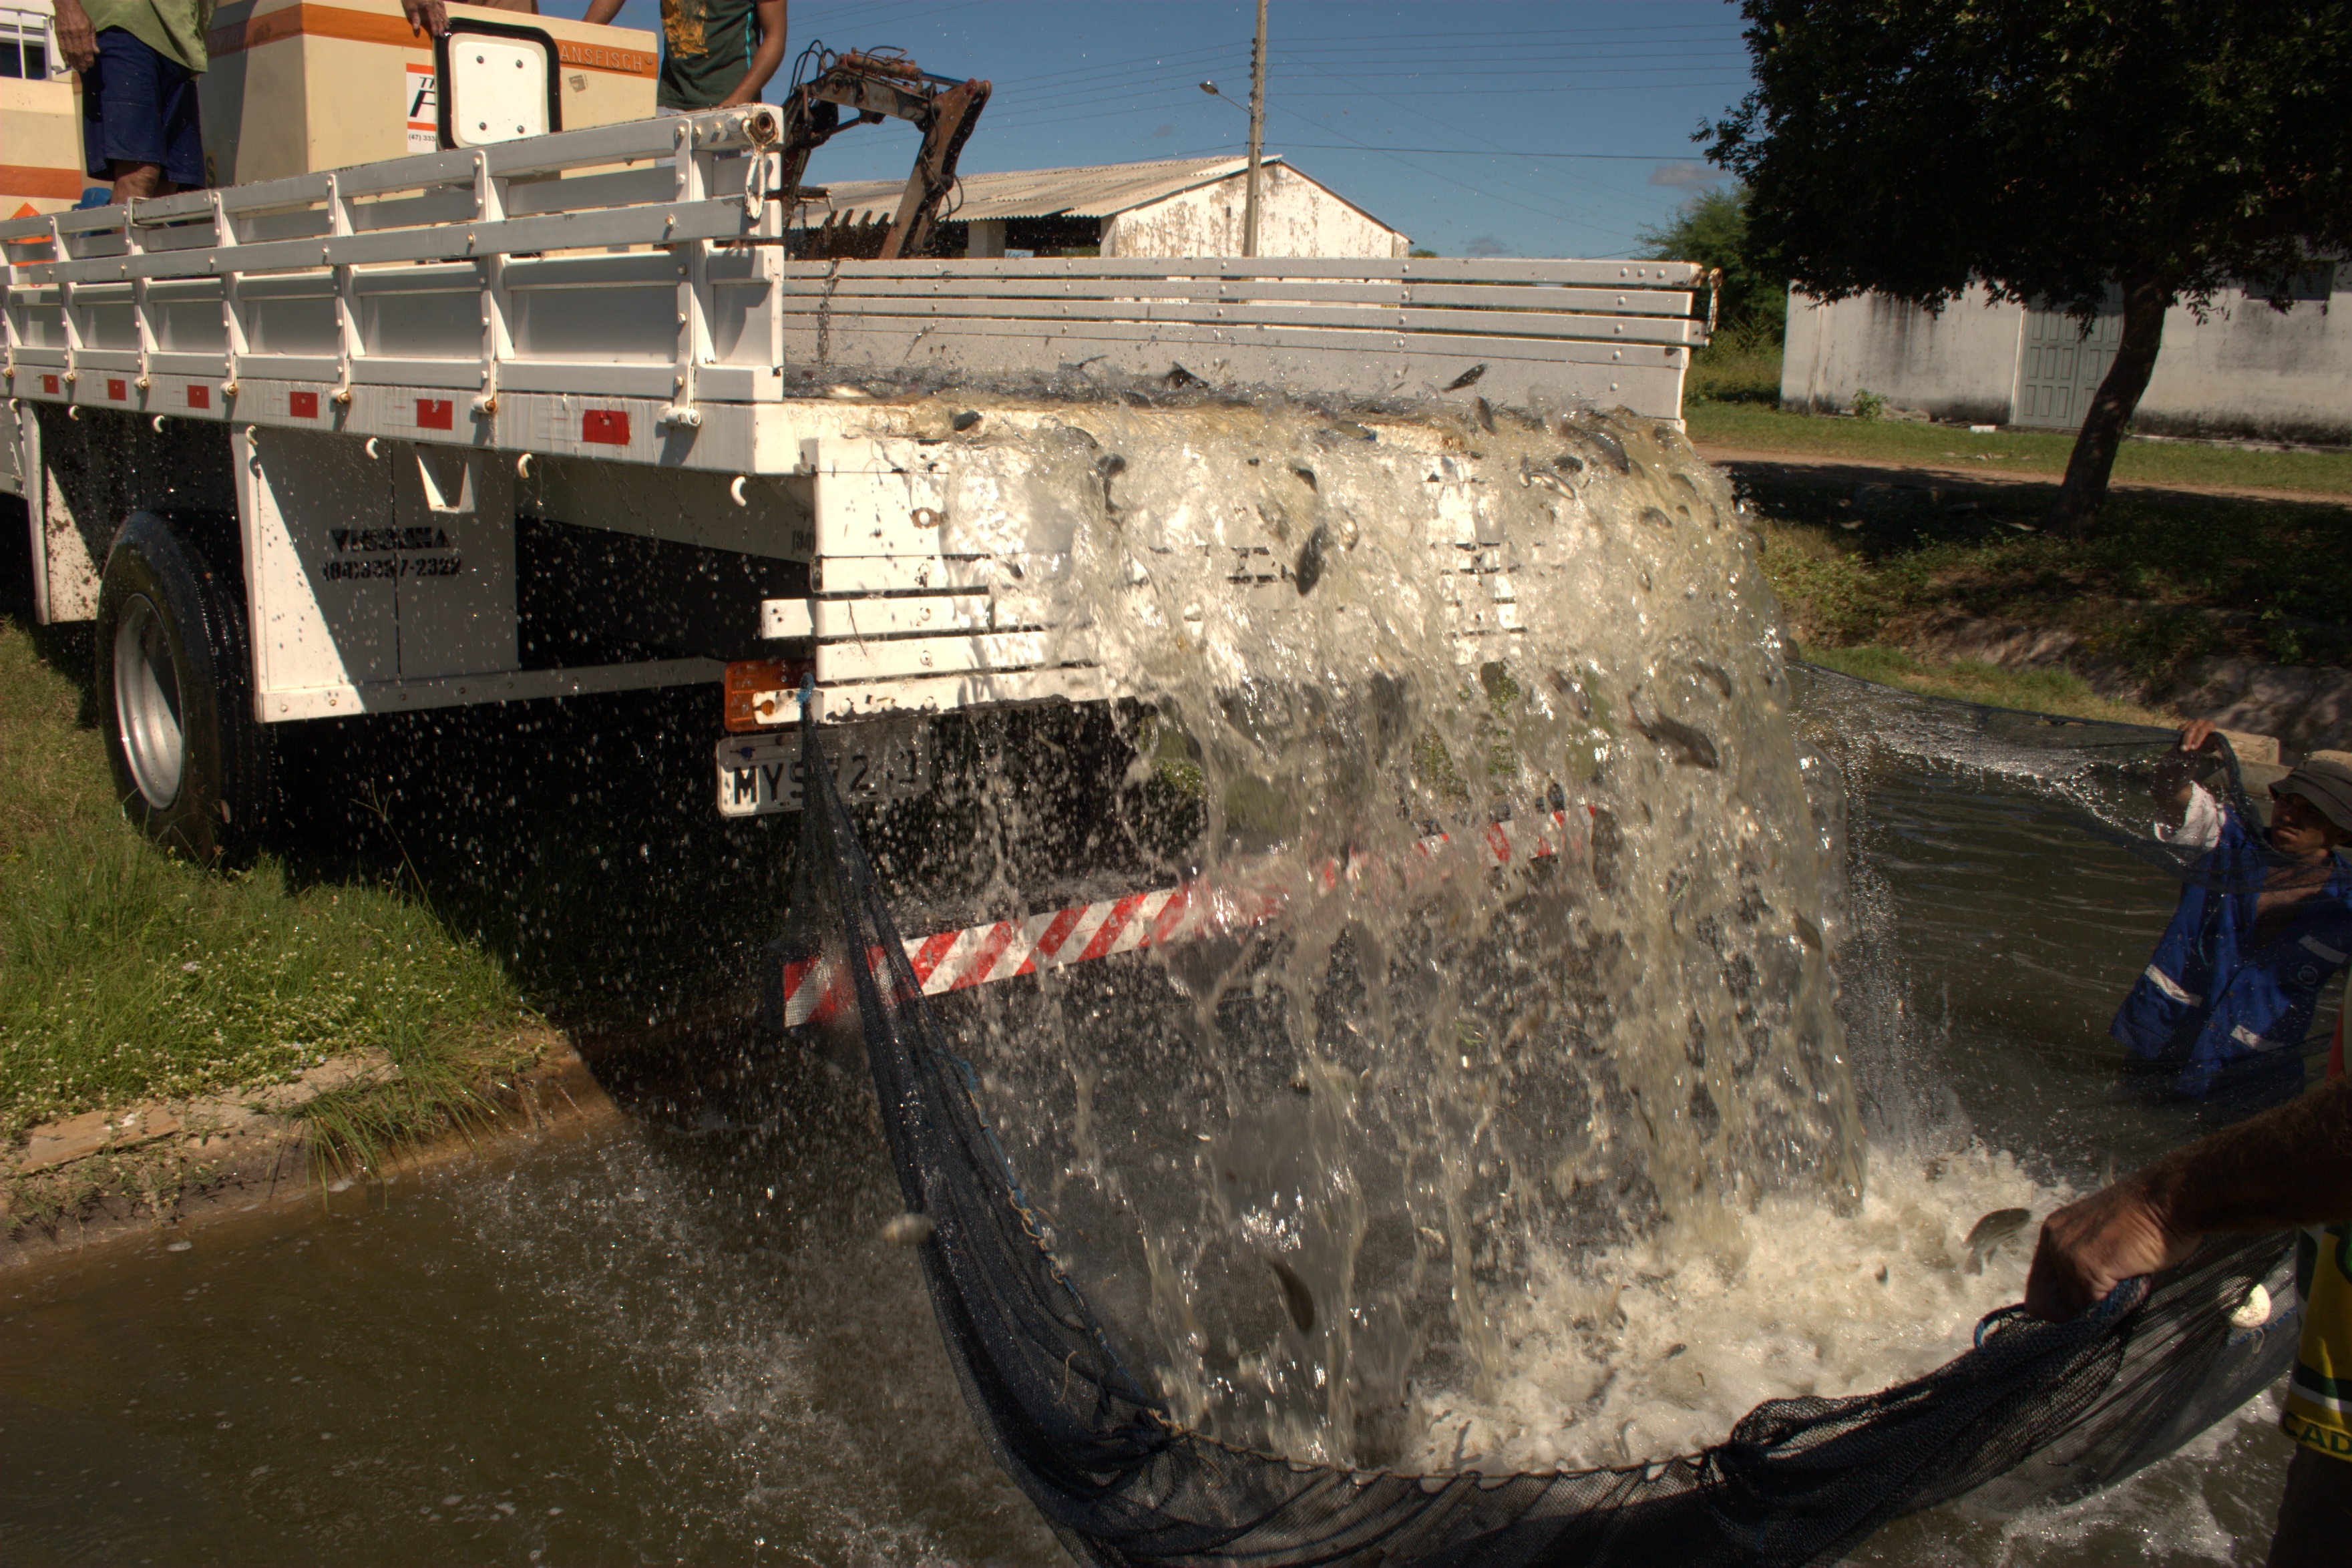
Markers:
<point>1316,1170</point>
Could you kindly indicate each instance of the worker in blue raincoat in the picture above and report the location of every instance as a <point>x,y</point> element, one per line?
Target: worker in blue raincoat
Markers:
<point>2263,924</point>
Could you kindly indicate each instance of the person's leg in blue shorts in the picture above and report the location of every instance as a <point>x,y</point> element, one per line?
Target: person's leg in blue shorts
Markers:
<point>140,121</point>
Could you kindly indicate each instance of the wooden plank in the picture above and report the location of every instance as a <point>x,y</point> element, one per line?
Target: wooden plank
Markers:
<point>1497,295</point>
<point>883,340</point>
<point>1435,269</point>
<point>1371,366</point>
<point>445,242</point>
<point>863,574</point>
<point>934,656</point>
<point>945,693</point>
<point>1240,314</point>
<point>851,619</point>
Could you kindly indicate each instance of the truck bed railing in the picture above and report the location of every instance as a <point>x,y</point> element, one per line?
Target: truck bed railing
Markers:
<point>1600,332</point>
<point>647,262</point>
<point>414,271</point>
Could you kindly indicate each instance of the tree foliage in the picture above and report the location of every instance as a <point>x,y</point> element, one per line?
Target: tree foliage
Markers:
<point>1711,228</point>
<point>2053,149</point>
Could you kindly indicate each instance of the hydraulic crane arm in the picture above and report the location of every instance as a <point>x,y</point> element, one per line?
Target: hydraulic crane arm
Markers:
<point>875,86</point>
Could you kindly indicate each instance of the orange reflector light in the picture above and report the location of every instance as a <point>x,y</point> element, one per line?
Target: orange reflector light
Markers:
<point>760,692</point>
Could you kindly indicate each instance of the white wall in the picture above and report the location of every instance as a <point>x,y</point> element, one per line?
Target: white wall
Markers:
<point>1959,364</point>
<point>2248,370</point>
<point>2245,369</point>
<point>1297,218</point>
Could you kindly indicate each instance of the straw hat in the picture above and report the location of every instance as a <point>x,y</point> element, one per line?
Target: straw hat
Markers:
<point>2325,779</point>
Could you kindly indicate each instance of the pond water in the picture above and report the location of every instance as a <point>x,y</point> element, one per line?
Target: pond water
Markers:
<point>676,1338</point>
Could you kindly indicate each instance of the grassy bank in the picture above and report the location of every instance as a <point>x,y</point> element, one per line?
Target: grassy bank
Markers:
<point>1971,680</point>
<point>2167,580</point>
<point>127,975</point>
<point>1732,399</point>
<point>1758,427</point>
<point>2172,577</point>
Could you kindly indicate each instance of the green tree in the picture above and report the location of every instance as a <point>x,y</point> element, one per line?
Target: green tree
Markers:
<point>2053,149</point>
<point>1711,228</point>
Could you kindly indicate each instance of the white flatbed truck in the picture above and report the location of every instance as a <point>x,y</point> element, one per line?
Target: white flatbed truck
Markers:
<point>563,415</point>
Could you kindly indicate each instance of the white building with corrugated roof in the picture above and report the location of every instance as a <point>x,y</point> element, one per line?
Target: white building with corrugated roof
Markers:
<point>1186,206</point>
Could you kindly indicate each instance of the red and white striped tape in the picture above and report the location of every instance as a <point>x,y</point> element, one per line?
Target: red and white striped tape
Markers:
<point>1004,950</point>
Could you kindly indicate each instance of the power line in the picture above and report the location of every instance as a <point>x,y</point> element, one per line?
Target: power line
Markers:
<point>1419,114</point>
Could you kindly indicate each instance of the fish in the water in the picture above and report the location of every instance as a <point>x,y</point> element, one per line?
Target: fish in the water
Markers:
<point>1467,378</point>
<point>1294,1295</point>
<point>910,1229</point>
<point>966,420</point>
<point>1991,1233</point>
<point>1309,570</point>
<point>1485,413</point>
<point>1611,449</point>
<point>1692,749</point>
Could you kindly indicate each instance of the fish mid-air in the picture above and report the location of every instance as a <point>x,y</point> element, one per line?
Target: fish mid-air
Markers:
<point>1989,1235</point>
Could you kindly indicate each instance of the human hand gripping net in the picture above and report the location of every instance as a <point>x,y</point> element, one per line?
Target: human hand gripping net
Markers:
<point>2057,1409</point>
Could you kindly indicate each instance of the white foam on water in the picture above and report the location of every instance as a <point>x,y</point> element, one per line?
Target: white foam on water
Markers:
<point>1657,1346</point>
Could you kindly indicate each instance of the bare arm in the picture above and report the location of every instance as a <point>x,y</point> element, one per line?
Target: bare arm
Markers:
<point>602,11</point>
<point>426,16</point>
<point>77,39</point>
<point>765,59</point>
<point>2289,1167</point>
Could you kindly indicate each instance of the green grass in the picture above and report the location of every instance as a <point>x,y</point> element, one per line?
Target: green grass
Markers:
<point>125,975</point>
<point>1736,367</point>
<point>1748,425</point>
<point>1971,680</point>
<point>2167,579</point>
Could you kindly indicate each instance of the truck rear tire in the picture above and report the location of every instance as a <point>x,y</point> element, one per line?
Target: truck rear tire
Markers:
<point>175,689</point>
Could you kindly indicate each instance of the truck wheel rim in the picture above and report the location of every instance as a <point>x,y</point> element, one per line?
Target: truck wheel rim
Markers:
<point>147,704</point>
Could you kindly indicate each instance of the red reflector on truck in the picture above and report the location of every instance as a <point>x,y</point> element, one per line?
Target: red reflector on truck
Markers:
<point>606,427</point>
<point>434,413</point>
<point>116,389</point>
<point>302,405</point>
<point>200,396</point>
<point>760,692</point>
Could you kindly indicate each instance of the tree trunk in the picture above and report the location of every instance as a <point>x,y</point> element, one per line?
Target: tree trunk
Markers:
<point>2076,513</point>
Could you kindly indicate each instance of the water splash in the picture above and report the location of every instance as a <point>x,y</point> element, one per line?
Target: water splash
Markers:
<point>1338,633</point>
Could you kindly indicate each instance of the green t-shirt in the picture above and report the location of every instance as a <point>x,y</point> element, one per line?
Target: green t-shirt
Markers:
<point>707,46</point>
<point>173,28</point>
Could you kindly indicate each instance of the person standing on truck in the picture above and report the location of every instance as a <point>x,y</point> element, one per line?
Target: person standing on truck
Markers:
<point>2263,924</point>
<point>433,15</point>
<point>716,54</point>
<point>139,61</point>
<point>2291,1166</point>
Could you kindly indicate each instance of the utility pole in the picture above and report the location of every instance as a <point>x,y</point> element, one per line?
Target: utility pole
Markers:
<point>1257,133</point>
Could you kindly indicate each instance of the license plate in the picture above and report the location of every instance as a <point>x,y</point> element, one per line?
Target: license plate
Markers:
<point>759,776</point>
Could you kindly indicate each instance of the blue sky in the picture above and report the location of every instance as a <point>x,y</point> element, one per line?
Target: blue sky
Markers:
<point>1553,129</point>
